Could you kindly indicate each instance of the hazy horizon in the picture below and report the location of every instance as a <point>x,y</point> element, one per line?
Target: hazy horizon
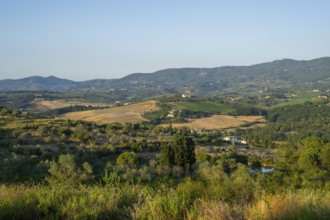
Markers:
<point>82,40</point>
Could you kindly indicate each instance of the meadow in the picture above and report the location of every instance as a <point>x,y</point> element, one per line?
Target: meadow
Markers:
<point>204,106</point>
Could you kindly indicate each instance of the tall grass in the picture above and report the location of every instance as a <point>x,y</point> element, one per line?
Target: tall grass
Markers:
<point>38,202</point>
<point>188,200</point>
<point>217,210</point>
<point>304,204</point>
<point>170,203</point>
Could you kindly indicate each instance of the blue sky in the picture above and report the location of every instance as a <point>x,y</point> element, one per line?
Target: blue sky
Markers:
<point>83,40</point>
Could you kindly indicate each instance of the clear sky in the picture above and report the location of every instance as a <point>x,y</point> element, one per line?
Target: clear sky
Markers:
<point>80,40</point>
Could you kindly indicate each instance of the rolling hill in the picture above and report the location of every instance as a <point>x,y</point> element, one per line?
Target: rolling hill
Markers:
<point>279,74</point>
<point>37,83</point>
<point>124,114</point>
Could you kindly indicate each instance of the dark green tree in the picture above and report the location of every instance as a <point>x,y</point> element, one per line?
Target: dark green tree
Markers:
<point>311,148</point>
<point>311,161</point>
<point>256,164</point>
<point>167,155</point>
<point>180,152</point>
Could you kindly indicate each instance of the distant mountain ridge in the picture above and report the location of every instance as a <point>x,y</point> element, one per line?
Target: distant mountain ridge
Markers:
<point>37,83</point>
<point>284,73</point>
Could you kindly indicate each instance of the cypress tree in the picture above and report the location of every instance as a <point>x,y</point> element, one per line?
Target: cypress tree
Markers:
<point>180,152</point>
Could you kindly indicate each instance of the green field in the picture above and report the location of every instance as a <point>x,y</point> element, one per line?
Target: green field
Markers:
<point>308,95</point>
<point>290,102</point>
<point>300,99</point>
<point>204,107</point>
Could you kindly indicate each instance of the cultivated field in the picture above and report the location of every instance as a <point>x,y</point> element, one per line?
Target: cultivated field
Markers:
<point>220,121</point>
<point>124,114</point>
<point>48,105</point>
<point>204,107</point>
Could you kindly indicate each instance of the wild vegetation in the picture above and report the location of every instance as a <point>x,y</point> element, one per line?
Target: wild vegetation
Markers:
<point>57,168</point>
<point>292,123</point>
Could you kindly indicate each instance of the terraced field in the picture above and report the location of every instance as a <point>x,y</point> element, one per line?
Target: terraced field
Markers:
<point>123,114</point>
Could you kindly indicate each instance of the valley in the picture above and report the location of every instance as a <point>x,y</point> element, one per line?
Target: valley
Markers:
<point>149,149</point>
<point>164,110</point>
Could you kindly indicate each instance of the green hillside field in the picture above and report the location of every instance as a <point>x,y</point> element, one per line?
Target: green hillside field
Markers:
<point>204,106</point>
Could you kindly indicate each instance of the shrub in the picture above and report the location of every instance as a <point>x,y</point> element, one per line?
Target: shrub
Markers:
<point>127,159</point>
<point>66,173</point>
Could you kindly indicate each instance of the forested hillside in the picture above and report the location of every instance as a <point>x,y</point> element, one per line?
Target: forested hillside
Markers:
<point>277,75</point>
<point>293,123</point>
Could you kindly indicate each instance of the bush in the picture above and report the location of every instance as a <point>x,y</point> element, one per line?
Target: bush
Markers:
<point>127,159</point>
<point>66,173</point>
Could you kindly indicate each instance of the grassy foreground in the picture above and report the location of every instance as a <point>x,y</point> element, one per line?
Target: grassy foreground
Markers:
<point>186,201</point>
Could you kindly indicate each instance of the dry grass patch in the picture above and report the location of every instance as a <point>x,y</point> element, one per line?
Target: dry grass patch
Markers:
<point>217,210</point>
<point>305,204</point>
<point>62,104</point>
<point>220,121</point>
<point>124,114</point>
